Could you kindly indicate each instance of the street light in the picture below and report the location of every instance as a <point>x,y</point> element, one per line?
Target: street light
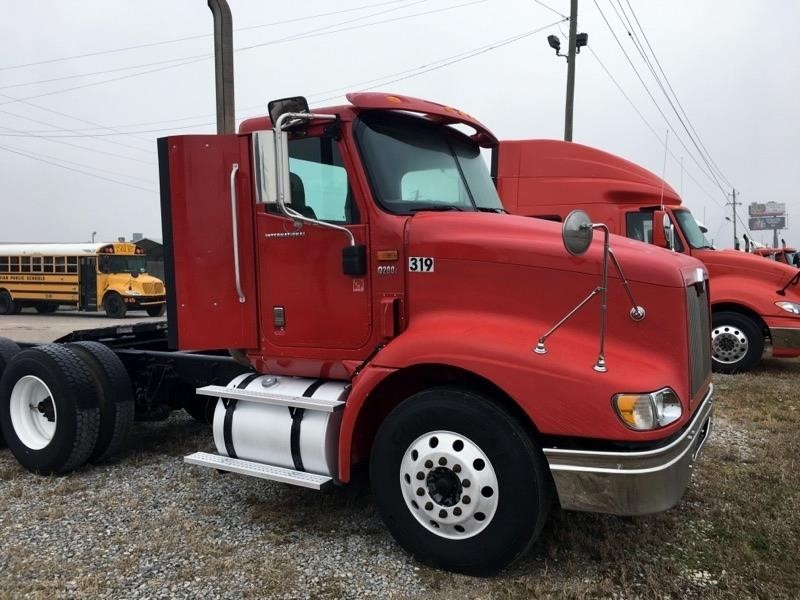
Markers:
<point>94,233</point>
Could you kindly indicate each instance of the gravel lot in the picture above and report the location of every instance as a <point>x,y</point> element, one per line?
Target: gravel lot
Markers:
<point>150,526</point>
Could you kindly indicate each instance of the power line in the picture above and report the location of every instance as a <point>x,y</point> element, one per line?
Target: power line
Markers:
<point>383,80</point>
<point>92,167</point>
<point>187,60</point>
<point>666,79</point>
<point>633,36</point>
<point>34,157</point>
<point>551,9</point>
<point>649,126</point>
<point>194,37</point>
<point>649,93</point>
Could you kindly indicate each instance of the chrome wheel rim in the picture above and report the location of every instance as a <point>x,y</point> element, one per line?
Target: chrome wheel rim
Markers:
<point>729,344</point>
<point>33,412</point>
<point>449,484</point>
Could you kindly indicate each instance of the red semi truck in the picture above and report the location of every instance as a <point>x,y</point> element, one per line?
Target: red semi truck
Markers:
<point>752,300</point>
<point>384,309</point>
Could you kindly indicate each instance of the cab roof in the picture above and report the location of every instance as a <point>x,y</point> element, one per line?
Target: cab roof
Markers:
<point>367,101</point>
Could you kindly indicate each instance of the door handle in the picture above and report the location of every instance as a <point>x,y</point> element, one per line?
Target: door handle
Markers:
<point>235,225</point>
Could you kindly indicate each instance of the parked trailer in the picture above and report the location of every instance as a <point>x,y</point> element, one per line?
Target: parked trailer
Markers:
<point>751,300</point>
<point>383,308</point>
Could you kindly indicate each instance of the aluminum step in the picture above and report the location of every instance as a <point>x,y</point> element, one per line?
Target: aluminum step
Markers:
<point>260,470</point>
<point>219,391</point>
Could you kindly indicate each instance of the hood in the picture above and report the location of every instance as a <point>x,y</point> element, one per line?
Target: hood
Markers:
<point>733,262</point>
<point>510,239</point>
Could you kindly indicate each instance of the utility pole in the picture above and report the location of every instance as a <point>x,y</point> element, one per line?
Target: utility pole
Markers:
<point>223,65</point>
<point>733,204</point>
<point>573,32</point>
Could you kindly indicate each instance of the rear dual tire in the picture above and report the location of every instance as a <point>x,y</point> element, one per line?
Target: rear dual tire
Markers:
<point>61,406</point>
<point>8,350</point>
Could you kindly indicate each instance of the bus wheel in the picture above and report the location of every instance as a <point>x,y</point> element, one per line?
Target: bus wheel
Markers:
<point>47,308</point>
<point>49,412</point>
<point>156,311</point>
<point>115,396</point>
<point>459,482</point>
<point>114,306</point>
<point>7,305</point>
<point>7,351</point>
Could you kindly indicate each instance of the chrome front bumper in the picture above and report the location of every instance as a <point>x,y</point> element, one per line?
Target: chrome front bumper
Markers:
<point>631,483</point>
<point>785,337</point>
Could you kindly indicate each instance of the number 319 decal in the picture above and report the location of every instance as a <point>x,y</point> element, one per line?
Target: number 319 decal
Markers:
<point>420,264</point>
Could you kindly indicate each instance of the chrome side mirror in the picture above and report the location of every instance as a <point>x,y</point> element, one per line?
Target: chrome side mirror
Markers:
<point>577,232</point>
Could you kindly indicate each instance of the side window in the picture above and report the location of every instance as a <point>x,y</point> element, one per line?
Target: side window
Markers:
<point>318,181</point>
<point>639,226</point>
<point>4,260</point>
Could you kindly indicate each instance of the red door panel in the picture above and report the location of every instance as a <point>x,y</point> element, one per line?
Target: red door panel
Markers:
<point>301,273</point>
<point>205,310</point>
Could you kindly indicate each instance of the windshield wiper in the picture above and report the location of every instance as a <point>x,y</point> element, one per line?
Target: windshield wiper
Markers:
<point>492,210</point>
<point>442,208</point>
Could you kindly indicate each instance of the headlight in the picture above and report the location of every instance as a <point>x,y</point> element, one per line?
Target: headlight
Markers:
<point>648,411</point>
<point>792,307</point>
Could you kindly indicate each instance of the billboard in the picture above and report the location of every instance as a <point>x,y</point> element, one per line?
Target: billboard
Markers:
<point>769,209</point>
<point>767,223</point>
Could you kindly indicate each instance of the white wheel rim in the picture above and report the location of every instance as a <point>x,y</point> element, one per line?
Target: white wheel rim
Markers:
<point>33,412</point>
<point>449,485</point>
<point>729,344</point>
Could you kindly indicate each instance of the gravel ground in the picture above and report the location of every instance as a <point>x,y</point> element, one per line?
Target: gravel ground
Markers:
<point>153,527</point>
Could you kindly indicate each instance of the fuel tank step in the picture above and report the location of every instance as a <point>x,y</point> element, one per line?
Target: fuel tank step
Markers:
<point>320,404</point>
<point>260,470</point>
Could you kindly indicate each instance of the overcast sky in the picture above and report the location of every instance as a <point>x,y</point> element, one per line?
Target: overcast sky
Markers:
<point>66,170</point>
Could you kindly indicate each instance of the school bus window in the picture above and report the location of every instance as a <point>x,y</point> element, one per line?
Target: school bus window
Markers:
<point>72,264</point>
<point>14,264</point>
<point>4,264</point>
<point>25,264</point>
<point>36,264</point>
<point>48,264</point>
<point>60,264</point>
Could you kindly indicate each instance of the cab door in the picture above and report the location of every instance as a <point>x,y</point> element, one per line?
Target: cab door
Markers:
<point>307,300</point>
<point>209,252</point>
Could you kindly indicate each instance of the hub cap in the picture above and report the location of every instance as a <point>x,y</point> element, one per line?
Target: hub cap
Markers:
<point>449,485</point>
<point>729,344</point>
<point>33,412</point>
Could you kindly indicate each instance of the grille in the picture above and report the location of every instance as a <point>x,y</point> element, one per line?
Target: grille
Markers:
<point>699,335</point>
<point>153,289</point>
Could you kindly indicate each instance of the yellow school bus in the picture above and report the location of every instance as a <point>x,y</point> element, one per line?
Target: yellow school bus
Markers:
<point>90,277</point>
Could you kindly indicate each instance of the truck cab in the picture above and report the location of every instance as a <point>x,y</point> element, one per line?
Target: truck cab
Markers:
<point>393,313</point>
<point>752,301</point>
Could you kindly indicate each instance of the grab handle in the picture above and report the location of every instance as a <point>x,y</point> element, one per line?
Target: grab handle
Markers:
<point>234,170</point>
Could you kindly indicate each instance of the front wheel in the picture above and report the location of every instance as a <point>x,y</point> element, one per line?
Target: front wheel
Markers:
<point>156,311</point>
<point>736,342</point>
<point>459,482</point>
<point>114,306</point>
<point>7,304</point>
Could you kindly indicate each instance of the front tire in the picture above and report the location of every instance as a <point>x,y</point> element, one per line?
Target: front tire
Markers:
<point>156,311</point>
<point>49,413</point>
<point>737,343</point>
<point>114,306</point>
<point>459,482</point>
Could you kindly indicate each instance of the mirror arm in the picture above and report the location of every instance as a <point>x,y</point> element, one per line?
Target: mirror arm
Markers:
<point>637,312</point>
<point>283,170</point>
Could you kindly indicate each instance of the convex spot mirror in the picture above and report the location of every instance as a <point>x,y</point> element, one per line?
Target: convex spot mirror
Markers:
<point>577,232</point>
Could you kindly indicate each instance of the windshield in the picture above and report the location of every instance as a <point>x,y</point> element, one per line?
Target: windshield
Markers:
<point>691,230</point>
<point>415,165</point>
<point>121,264</point>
